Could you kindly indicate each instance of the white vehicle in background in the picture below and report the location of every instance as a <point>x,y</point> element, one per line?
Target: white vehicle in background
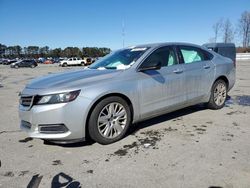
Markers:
<point>72,61</point>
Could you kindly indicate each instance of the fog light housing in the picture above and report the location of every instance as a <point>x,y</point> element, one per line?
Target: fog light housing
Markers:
<point>52,128</point>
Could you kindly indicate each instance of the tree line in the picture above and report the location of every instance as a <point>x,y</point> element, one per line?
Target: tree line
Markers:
<point>36,52</point>
<point>225,31</point>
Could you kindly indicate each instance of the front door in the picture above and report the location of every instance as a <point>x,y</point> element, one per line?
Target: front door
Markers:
<point>161,89</point>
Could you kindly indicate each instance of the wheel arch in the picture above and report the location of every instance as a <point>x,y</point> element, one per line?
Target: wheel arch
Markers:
<point>224,78</point>
<point>123,96</point>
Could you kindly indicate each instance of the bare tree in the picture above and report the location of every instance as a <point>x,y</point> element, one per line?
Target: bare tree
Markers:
<point>244,28</point>
<point>217,29</point>
<point>228,33</point>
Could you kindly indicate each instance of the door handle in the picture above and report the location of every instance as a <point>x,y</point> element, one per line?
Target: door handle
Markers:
<point>178,71</point>
<point>206,66</point>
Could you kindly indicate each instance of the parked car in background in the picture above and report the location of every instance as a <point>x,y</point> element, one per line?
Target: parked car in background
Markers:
<point>48,61</point>
<point>87,61</point>
<point>2,61</point>
<point>124,87</point>
<point>8,62</point>
<point>224,49</point>
<point>72,61</point>
<point>41,60</point>
<point>24,63</point>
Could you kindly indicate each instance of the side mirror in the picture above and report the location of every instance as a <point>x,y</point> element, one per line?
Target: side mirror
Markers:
<point>157,66</point>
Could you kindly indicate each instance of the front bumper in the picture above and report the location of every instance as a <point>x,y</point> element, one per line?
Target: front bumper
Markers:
<point>65,121</point>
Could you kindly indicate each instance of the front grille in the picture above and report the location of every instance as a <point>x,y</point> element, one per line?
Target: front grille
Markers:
<point>26,100</point>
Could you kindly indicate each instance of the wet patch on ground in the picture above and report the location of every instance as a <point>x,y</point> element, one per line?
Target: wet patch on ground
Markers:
<point>227,137</point>
<point>243,100</point>
<point>235,112</point>
<point>1,132</point>
<point>145,140</point>
<point>57,162</point>
<point>90,171</point>
<point>26,140</point>
<point>23,173</point>
<point>85,162</point>
<point>8,174</point>
<point>235,124</point>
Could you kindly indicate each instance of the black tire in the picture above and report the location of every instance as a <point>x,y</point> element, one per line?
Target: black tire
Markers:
<point>82,64</point>
<point>92,123</point>
<point>16,66</point>
<point>212,104</point>
<point>65,65</point>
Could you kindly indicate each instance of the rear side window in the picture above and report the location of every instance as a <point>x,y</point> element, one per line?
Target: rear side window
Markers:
<point>192,54</point>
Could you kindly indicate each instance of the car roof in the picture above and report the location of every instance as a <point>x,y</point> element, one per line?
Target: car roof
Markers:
<point>154,45</point>
<point>214,45</point>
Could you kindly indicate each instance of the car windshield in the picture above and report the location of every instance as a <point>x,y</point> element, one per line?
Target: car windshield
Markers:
<point>121,59</point>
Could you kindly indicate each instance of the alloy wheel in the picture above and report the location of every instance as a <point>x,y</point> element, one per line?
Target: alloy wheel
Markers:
<point>112,120</point>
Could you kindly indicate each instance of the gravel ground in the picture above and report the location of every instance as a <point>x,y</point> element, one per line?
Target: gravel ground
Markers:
<point>193,147</point>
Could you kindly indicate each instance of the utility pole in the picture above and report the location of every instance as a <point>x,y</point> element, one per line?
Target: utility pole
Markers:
<point>123,34</point>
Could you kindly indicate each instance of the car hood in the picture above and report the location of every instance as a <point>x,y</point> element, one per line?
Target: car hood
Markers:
<point>72,79</point>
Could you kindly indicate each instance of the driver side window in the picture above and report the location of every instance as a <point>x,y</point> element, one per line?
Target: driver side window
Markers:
<point>165,55</point>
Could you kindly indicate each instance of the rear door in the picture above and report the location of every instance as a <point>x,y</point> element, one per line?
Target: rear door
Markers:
<point>161,89</point>
<point>199,72</point>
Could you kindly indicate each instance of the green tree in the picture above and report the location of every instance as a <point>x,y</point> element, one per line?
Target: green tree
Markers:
<point>2,50</point>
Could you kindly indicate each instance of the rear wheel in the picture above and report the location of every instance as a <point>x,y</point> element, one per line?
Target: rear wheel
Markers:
<point>82,63</point>
<point>218,95</point>
<point>16,66</point>
<point>65,65</point>
<point>109,120</point>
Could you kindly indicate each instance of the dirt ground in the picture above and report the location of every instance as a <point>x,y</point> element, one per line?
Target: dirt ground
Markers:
<point>193,147</point>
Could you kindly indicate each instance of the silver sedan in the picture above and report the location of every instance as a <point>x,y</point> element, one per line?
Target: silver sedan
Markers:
<point>122,88</point>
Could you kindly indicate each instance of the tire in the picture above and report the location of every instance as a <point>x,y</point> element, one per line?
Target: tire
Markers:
<point>32,66</point>
<point>82,64</point>
<point>106,128</point>
<point>16,66</point>
<point>221,95</point>
<point>64,65</point>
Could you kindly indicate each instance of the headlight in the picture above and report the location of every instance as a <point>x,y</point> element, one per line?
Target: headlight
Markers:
<point>58,98</point>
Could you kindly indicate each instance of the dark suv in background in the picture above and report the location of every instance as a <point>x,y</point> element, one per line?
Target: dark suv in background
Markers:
<point>24,63</point>
<point>224,49</point>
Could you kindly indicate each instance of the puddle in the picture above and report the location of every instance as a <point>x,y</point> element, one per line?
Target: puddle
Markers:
<point>243,100</point>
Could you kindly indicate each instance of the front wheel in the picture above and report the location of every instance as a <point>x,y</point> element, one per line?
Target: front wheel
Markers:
<point>218,95</point>
<point>109,120</point>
